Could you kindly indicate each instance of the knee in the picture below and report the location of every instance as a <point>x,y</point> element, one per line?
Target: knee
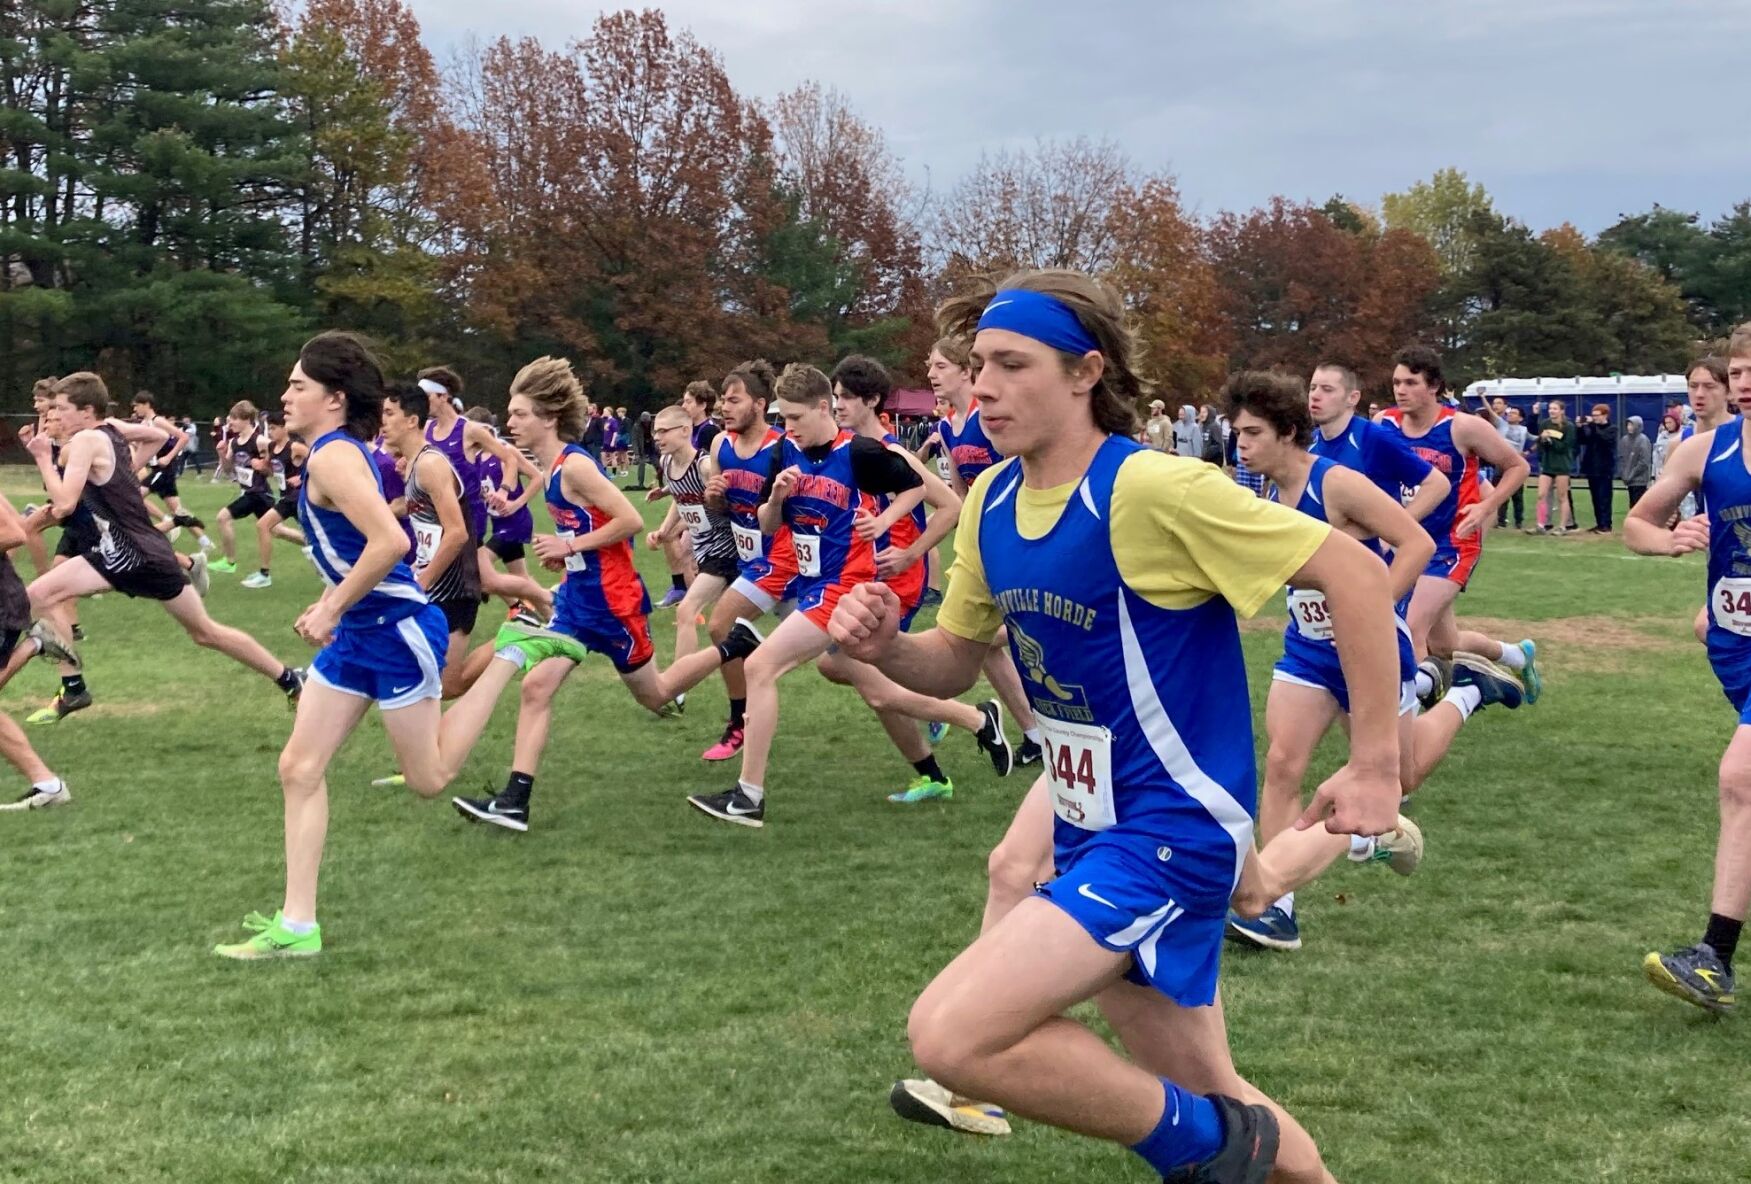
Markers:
<point>1736,788</point>
<point>299,774</point>
<point>1283,772</point>
<point>942,1045</point>
<point>224,517</point>
<point>1010,869</point>
<point>204,634</point>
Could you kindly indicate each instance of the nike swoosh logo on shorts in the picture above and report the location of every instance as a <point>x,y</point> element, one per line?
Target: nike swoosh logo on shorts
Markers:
<point>1084,891</point>
<point>402,690</point>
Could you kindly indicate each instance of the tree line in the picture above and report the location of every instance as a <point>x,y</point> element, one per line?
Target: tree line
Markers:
<point>189,187</point>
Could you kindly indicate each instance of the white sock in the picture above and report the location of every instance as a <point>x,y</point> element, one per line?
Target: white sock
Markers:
<point>1033,736</point>
<point>1425,683</point>
<point>513,654</point>
<point>1361,848</point>
<point>297,928</point>
<point>1286,902</point>
<point>1466,699</point>
<point>52,785</point>
<point>1513,657</point>
<point>206,542</point>
<point>753,793</point>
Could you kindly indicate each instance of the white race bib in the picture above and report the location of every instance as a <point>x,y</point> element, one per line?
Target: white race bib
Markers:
<point>942,468</point>
<point>1079,772</point>
<point>576,562</point>
<point>693,516</point>
<point>747,542</point>
<point>245,474</point>
<point>808,554</point>
<point>1730,601</point>
<point>426,537</point>
<point>1312,617</point>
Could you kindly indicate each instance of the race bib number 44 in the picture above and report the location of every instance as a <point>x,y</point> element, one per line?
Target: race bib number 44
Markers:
<point>1079,773</point>
<point>1311,614</point>
<point>1730,600</point>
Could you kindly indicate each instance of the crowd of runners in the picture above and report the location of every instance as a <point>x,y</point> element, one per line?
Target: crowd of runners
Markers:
<point>1095,585</point>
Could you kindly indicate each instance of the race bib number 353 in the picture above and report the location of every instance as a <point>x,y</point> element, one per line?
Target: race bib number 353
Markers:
<point>1079,773</point>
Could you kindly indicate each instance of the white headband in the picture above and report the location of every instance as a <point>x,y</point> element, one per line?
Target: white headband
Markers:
<point>433,388</point>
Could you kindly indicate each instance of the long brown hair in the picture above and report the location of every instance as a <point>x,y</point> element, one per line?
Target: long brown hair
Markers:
<point>1113,401</point>
<point>553,387</point>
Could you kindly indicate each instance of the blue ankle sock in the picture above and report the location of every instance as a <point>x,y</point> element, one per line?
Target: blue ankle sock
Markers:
<point>1190,1131</point>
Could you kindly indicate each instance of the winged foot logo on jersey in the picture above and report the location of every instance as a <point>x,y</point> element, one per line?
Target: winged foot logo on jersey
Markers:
<point>1736,517</point>
<point>1068,702</point>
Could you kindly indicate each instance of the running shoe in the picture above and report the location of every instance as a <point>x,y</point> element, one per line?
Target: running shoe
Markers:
<point>296,690</point>
<point>206,542</point>
<point>675,708</point>
<point>1248,1151</point>
<point>50,647</point>
<point>1273,929</point>
<point>523,615</point>
<point>309,553</point>
<point>919,1099</point>
<point>672,597</point>
<point>499,810</point>
<point>1440,672</point>
<point>1529,676</point>
<point>537,645</point>
<point>189,520</point>
<point>938,730</point>
<point>78,632</point>
<point>174,533</point>
<point>731,806</point>
<point>1496,683</point>
<point>223,566</point>
<point>992,740</point>
<point>728,745</point>
<point>1028,754</point>
<point>259,579</point>
<point>1400,849</point>
<point>199,576</point>
<point>393,781</point>
<point>1696,975</point>
<point>925,789</point>
<point>272,941</point>
<point>40,799</point>
<point>63,706</point>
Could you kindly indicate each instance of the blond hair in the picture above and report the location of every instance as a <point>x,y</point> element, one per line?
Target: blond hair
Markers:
<point>802,383</point>
<point>1099,308</point>
<point>550,384</point>
<point>243,409</point>
<point>1739,344</point>
<point>956,350</point>
<point>672,414</point>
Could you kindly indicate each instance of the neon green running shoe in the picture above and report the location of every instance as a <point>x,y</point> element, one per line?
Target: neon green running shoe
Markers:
<point>272,940</point>
<point>224,567</point>
<point>925,790</point>
<point>537,645</point>
<point>393,781</point>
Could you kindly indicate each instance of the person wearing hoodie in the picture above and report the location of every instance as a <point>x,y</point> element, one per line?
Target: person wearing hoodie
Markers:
<point>1599,464</point>
<point>1635,459</point>
<point>1187,439</point>
<point>1671,429</point>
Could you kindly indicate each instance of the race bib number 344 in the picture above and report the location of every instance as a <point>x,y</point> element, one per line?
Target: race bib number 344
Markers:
<point>1730,600</point>
<point>1079,773</point>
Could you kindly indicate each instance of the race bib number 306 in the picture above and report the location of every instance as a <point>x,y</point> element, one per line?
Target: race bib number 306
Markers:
<point>1730,602</point>
<point>1079,773</point>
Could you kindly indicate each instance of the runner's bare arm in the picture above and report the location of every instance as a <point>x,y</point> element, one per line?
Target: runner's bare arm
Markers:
<point>1645,531</point>
<point>1361,503</point>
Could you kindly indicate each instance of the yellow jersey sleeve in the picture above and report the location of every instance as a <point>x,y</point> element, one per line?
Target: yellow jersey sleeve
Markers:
<point>1183,531</point>
<point>968,611</point>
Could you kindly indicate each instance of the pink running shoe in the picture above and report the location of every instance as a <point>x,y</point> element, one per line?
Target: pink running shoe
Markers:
<point>725,748</point>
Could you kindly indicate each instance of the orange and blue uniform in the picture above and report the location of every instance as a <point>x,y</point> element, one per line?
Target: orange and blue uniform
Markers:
<point>602,601</point>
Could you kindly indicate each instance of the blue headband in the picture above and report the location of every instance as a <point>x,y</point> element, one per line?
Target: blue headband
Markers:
<point>1044,318</point>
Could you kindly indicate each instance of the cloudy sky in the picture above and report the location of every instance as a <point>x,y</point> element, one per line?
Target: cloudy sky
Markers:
<point>1574,110</point>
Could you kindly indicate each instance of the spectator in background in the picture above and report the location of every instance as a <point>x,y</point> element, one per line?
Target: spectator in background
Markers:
<point>595,429</point>
<point>191,455</point>
<point>1513,429</point>
<point>640,439</point>
<point>1671,428</point>
<point>1158,428</point>
<point>1215,429</point>
<point>1598,464</point>
<point>1556,461</point>
<point>1635,459</point>
<point>1187,439</point>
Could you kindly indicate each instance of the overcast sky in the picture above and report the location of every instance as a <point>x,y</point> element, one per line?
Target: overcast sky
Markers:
<point>1575,110</point>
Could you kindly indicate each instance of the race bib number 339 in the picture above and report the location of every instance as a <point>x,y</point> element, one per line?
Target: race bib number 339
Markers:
<point>1079,773</point>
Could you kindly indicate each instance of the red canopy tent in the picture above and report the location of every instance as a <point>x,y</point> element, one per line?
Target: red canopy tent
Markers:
<point>910,402</point>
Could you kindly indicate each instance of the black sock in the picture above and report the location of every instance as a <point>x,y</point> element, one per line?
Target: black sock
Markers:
<point>264,571</point>
<point>518,787</point>
<point>1723,935</point>
<point>679,583</point>
<point>738,710</point>
<point>286,680</point>
<point>73,684</point>
<point>929,768</point>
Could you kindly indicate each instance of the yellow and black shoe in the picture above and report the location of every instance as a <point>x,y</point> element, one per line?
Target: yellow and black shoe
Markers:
<point>1696,975</point>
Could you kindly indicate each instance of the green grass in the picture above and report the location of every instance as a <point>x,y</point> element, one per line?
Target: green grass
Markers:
<point>633,993</point>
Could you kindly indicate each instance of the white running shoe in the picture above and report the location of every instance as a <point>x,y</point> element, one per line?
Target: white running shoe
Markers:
<point>40,799</point>
<point>923,1100</point>
<point>1400,849</point>
<point>259,579</point>
<point>198,575</point>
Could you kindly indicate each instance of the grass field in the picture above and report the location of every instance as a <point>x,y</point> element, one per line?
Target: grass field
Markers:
<point>634,993</point>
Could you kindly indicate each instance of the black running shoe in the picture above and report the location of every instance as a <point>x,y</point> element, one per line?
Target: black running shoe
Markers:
<point>732,806</point>
<point>1440,672</point>
<point>498,810</point>
<point>63,706</point>
<point>1248,1152</point>
<point>1028,754</point>
<point>78,633</point>
<point>1696,975</point>
<point>296,690</point>
<point>992,739</point>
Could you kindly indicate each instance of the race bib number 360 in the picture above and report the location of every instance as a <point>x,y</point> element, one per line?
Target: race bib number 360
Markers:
<point>747,542</point>
<point>1079,773</point>
<point>1730,601</point>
